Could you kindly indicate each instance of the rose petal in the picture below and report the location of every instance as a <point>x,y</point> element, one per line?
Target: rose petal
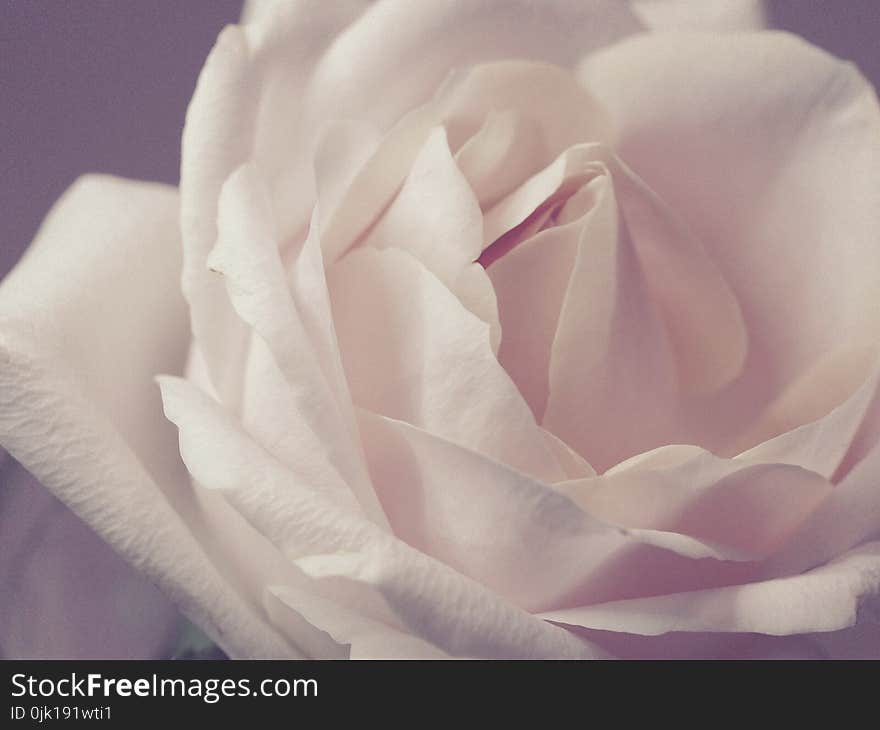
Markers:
<point>247,104</point>
<point>217,137</point>
<point>706,328</point>
<point>752,507</point>
<point>271,513</point>
<point>374,185</point>
<point>310,426</point>
<point>848,517</point>
<point>649,347</point>
<point>221,456</point>
<point>311,297</point>
<point>251,94</point>
<point>77,405</point>
<point>851,515</point>
<point>368,638</point>
<point>108,240</point>
<point>828,598</point>
<point>430,38</point>
<point>474,289</point>
<point>821,445</point>
<point>285,45</point>
<point>530,283</point>
<point>538,109</point>
<point>503,150</point>
<point>714,15</point>
<point>703,645</point>
<point>530,271</point>
<point>416,354</point>
<point>415,594</point>
<point>547,301</point>
<point>574,465</point>
<point>519,537</point>
<point>438,605</point>
<point>341,151</point>
<point>550,110</point>
<point>436,218</point>
<point>781,143</point>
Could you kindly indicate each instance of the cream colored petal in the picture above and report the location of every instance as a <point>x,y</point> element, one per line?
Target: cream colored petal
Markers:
<point>247,106</point>
<point>538,110</point>
<point>368,576</point>
<point>768,149</point>
<point>752,507</point>
<point>521,538</point>
<point>435,216</point>
<point>306,419</point>
<point>713,15</point>
<point>413,352</point>
<point>440,606</point>
<point>86,320</point>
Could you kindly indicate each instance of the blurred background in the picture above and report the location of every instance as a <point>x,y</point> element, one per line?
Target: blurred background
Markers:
<point>102,86</point>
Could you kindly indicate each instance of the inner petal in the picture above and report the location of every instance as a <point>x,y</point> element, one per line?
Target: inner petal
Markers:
<point>612,378</point>
<point>503,121</point>
<point>530,274</point>
<point>612,316</point>
<point>779,144</point>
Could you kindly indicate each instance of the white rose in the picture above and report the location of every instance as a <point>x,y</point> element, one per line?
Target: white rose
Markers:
<point>425,313</point>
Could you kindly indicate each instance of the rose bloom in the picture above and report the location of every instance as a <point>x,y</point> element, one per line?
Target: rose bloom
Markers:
<point>510,331</point>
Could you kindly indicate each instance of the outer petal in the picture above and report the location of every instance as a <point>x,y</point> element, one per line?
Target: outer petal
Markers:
<point>715,15</point>
<point>427,599</point>
<point>247,104</point>
<point>366,637</point>
<point>430,38</point>
<point>341,151</point>
<point>850,516</point>
<point>828,445</point>
<point>77,404</point>
<point>311,424</point>
<point>107,241</point>
<point>369,577</point>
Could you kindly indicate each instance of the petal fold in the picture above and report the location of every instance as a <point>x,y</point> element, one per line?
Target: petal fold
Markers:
<point>413,352</point>
<point>781,143</point>
<point>832,597</point>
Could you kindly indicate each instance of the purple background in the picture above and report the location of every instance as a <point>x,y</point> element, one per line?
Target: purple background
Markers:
<point>95,85</point>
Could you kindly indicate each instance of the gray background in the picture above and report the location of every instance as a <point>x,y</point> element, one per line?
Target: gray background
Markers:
<point>102,85</point>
